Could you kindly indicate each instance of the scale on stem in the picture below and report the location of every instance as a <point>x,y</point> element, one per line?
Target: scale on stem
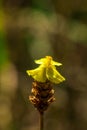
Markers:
<point>42,92</point>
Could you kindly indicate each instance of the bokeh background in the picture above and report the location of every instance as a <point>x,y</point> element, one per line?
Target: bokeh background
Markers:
<point>30,30</point>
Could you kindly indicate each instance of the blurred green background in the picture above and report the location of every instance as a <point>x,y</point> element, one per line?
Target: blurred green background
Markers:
<point>30,30</point>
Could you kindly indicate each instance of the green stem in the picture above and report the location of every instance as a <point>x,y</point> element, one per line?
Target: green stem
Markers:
<point>41,121</point>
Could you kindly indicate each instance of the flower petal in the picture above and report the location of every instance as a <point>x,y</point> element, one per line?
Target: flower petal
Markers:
<point>39,74</point>
<point>54,76</point>
<point>40,61</point>
<point>56,63</point>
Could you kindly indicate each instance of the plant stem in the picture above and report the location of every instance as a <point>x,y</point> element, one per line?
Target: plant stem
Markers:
<point>41,121</point>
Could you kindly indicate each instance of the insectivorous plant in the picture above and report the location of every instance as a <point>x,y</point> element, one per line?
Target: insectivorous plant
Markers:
<point>42,93</point>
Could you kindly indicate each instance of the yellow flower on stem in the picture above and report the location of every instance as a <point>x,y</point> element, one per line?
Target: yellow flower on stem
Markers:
<point>46,71</point>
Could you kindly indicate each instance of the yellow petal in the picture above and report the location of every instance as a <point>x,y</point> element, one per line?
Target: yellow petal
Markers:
<point>56,63</point>
<point>39,74</point>
<point>47,60</point>
<point>40,61</point>
<point>54,76</point>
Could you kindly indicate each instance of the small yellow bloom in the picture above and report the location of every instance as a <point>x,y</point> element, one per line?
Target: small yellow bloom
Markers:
<point>46,71</point>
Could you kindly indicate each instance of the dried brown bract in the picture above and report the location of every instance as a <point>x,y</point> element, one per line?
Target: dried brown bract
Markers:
<point>42,95</point>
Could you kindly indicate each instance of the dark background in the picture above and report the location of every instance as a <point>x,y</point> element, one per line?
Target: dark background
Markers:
<point>31,30</point>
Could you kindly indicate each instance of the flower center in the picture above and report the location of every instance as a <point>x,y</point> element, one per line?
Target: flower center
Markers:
<point>47,61</point>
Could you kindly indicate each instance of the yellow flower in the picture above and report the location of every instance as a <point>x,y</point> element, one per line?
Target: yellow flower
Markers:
<point>46,71</point>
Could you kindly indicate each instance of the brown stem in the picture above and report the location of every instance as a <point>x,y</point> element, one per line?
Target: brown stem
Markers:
<point>41,121</point>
